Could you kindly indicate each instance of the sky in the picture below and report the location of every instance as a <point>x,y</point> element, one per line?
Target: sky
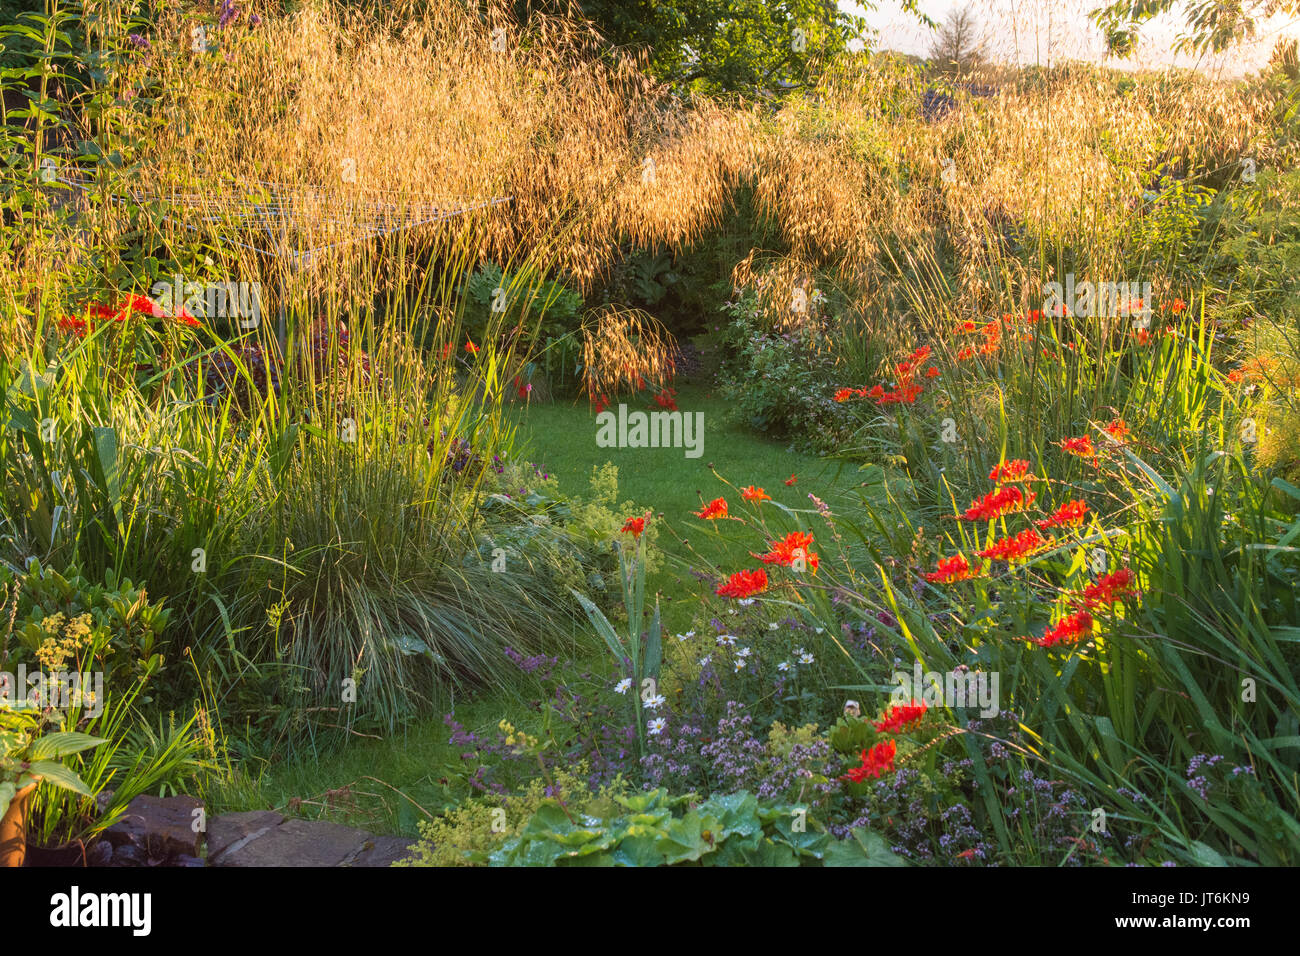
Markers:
<point>1050,31</point>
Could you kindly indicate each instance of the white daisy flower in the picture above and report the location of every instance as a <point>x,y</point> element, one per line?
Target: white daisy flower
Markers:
<point>686,637</point>
<point>820,630</point>
<point>805,658</point>
<point>656,726</point>
<point>705,660</point>
<point>731,610</point>
<point>773,626</point>
<point>744,652</point>
<point>783,666</point>
<point>726,640</point>
<point>745,602</point>
<point>740,663</point>
<point>622,686</point>
<point>655,702</point>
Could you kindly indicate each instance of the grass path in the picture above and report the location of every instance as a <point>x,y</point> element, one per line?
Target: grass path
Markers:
<point>377,784</point>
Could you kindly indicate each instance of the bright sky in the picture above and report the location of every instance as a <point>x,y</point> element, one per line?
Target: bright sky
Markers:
<point>1049,31</point>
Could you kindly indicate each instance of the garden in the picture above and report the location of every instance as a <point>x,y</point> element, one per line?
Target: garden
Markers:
<point>442,434</point>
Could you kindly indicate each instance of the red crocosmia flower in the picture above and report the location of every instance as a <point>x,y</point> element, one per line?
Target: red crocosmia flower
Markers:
<point>1117,430</point>
<point>602,403</point>
<point>965,327</point>
<point>1008,318</point>
<point>921,354</point>
<point>950,570</point>
<point>471,348</point>
<point>844,394</point>
<point>1070,513</point>
<point>989,347</point>
<point>995,504</point>
<point>1015,547</point>
<point>1178,306</point>
<point>795,547</point>
<point>931,372</point>
<point>665,399</point>
<point>1033,315</point>
<point>1235,376</point>
<point>1015,470</point>
<point>1067,630</point>
<point>901,717</point>
<point>1143,337</point>
<point>1081,446</point>
<point>715,509</point>
<point>791,480</point>
<point>756,495</point>
<point>1108,589</point>
<point>879,759</point>
<point>445,352</point>
<point>877,392</point>
<point>633,526</point>
<point>743,584</point>
<point>966,353</point>
<point>73,326</point>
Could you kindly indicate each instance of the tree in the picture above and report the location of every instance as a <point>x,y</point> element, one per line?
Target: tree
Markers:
<point>1208,25</point>
<point>753,47</point>
<point>958,48</point>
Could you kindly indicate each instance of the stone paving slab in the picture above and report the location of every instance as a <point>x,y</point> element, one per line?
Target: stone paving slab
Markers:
<point>263,838</point>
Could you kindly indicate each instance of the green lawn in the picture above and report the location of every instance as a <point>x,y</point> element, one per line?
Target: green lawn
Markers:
<point>561,438</point>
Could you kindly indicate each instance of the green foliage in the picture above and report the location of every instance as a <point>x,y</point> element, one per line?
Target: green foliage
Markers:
<point>655,829</point>
<point>540,307</point>
<point>781,384</point>
<point>29,756</point>
<point>113,627</point>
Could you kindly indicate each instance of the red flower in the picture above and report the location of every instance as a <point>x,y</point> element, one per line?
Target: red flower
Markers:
<point>446,351</point>
<point>602,403</point>
<point>965,354</point>
<point>1178,306</point>
<point>1016,470</point>
<point>1235,376</point>
<point>756,495</point>
<point>1015,547</point>
<point>633,526</point>
<point>471,348</point>
<point>1108,589</point>
<point>965,327</point>
<point>931,372</point>
<point>900,718</point>
<point>879,759</point>
<point>995,504</point>
<point>948,570</point>
<point>1117,429</point>
<point>1070,513</point>
<point>715,509</point>
<point>665,399</point>
<point>743,584</point>
<point>1067,630</point>
<point>844,394</point>
<point>791,480</point>
<point>794,547</point>
<point>1081,446</point>
<point>1033,315</point>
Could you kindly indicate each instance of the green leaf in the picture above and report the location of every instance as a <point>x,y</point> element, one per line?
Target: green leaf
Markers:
<point>62,744</point>
<point>55,773</point>
<point>864,849</point>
